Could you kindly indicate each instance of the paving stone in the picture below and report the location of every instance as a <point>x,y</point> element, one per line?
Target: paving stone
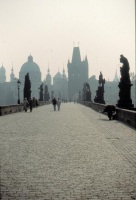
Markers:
<point>73,154</point>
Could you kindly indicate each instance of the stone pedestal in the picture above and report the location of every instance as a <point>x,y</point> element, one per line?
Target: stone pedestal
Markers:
<point>124,94</point>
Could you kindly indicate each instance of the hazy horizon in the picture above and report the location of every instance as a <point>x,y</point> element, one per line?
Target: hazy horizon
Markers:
<point>49,29</point>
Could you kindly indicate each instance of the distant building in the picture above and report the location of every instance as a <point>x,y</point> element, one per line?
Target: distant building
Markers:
<point>116,79</point>
<point>77,74</point>
<point>34,74</point>
<point>64,88</point>
<point>60,85</point>
<point>2,75</point>
<point>48,81</point>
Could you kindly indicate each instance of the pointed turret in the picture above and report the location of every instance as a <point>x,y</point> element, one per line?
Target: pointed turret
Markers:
<point>48,71</point>
<point>2,74</point>
<point>30,58</point>
<point>116,79</point>
<point>76,58</point>
<point>63,73</point>
<point>12,76</point>
<point>48,79</point>
<point>12,70</point>
<point>2,68</point>
<point>86,60</point>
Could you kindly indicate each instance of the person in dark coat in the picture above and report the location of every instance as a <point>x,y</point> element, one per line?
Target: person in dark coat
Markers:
<point>54,102</point>
<point>36,103</point>
<point>30,104</point>
<point>111,111</point>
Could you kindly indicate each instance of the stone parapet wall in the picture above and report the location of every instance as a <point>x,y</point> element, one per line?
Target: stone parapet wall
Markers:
<point>126,116</point>
<point>10,109</point>
<point>4,110</point>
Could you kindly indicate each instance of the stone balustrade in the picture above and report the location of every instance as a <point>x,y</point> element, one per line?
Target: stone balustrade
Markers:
<point>124,115</point>
<point>10,109</point>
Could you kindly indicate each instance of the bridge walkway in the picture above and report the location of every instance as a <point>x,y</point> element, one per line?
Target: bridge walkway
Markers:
<point>71,154</point>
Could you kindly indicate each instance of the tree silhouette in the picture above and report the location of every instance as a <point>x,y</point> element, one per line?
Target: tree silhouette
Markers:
<point>27,87</point>
<point>41,92</point>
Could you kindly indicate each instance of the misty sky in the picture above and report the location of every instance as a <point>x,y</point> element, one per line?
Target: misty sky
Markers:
<point>49,29</point>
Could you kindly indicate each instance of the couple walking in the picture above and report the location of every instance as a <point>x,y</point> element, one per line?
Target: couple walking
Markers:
<point>28,104</point>
<point>56,103</point>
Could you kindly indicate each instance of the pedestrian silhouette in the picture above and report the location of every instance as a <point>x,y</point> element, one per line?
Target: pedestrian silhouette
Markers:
<point>30,104</point>
<point>54,102</point>
<point>25,104</point>
<point>36,103</point>
<point>58,104</point>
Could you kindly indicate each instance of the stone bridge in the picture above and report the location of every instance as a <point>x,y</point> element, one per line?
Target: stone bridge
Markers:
<point>72,154</point>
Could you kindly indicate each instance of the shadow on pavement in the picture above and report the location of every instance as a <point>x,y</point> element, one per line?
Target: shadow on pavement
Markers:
<point>105,120</point>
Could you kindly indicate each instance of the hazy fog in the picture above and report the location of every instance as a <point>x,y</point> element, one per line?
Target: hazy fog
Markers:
<point>48,29</point>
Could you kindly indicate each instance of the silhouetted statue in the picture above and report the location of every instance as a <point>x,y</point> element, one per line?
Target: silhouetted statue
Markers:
<point>99,98</point>
<point>100,78</point>
<point>124,70</point>
<point>86,92</point>
<point>125,85</point>
<point>46,93</point>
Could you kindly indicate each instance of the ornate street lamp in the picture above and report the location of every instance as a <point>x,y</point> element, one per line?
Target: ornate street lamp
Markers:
<point>18,84</point>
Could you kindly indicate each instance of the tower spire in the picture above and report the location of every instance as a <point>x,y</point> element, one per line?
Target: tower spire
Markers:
<point>12,70</point>
<point>116,76</point>
<point>12,76</point>
<point>48,70</point>
<point>76,58</point>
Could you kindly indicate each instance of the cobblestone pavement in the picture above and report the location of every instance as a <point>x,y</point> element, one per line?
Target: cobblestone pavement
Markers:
<point>71,154</point>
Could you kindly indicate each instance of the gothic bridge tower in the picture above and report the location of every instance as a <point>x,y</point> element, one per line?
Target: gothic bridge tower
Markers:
<point>77,74</point>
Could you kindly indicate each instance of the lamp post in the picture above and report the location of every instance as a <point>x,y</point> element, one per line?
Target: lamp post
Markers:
<point>18,84</point>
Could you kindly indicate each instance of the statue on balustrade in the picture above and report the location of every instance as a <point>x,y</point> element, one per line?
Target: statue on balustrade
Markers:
<point>124,85</point>
<point>46,93</point>
<point>99,98</point>
<point>86,92</point>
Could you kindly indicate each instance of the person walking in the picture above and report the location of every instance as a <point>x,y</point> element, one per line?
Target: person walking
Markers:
<point>25,104</point>
<point>54,102</point>
<point>58,104</point>
<point>30,104</point>
<point>36,103</point>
